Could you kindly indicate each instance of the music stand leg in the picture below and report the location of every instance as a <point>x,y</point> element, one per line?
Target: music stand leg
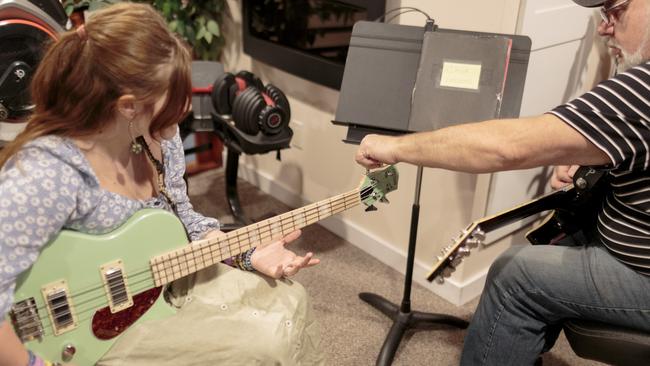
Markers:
<point>402,316</point>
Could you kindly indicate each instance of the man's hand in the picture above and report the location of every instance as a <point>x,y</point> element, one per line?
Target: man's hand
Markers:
<point>275,260</point>
<point>563,175</point>
<point>376,150</point>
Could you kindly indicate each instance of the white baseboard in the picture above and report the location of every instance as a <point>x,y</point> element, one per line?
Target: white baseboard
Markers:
<point>453,291</point>
<point>9,131</point>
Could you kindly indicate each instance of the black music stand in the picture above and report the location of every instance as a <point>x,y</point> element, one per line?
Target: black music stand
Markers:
<point>378,95</point>
<point>403,317</point>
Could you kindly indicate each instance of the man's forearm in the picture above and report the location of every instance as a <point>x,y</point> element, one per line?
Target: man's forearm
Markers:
<point>498,145</point>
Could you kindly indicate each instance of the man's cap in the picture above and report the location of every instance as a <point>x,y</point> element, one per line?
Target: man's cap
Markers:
<point>589,3</point>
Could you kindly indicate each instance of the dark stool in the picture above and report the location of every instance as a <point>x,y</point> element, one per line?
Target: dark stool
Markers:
<point>607,343</point>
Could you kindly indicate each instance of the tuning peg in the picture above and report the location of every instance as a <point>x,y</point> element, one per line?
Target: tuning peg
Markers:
<point>463,252</point>
<point>456,261</point>
<point>472,243</point>
<point>448,271</point>
<point>440,280</point>
<point>479,235</point>
<point>371,208</point>
<point>384,200</point>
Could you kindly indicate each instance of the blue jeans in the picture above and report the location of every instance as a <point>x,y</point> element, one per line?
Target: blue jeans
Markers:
<point>531,290</point>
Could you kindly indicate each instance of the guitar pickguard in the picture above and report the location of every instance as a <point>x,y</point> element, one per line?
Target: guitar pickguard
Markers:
<point>106,325</point>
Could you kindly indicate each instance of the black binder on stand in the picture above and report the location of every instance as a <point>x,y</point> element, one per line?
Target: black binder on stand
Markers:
<point>401,79</point>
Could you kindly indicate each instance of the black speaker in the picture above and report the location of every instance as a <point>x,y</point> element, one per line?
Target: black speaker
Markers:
<point>25,29</point>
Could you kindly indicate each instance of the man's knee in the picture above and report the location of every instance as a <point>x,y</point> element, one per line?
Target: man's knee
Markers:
<point>511,266</point>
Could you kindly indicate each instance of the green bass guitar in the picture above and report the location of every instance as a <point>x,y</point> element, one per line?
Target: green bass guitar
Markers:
<point>86,290</point>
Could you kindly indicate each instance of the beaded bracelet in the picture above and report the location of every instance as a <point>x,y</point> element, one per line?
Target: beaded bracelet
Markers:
<point>32,358</point>
<point>239,262</point>
<point>247,260</point>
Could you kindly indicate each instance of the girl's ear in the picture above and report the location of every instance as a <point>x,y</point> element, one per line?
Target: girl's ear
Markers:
<point>126,106</point>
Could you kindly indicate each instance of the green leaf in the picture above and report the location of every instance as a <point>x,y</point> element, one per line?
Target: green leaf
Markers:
<point>200,34</point>
<point>208,37</point>
<point>166,9</point>
<point>190,34</point>
<point>173,25</point>
<point>213,27</point>
<point>180,28</point>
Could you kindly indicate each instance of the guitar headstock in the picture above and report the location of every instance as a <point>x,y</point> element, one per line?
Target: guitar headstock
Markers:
<point>453,254</point>
<point>377,184</point>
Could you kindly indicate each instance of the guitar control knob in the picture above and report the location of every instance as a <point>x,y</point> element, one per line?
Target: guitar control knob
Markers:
<point>581,183</point>
<point>68,352</point>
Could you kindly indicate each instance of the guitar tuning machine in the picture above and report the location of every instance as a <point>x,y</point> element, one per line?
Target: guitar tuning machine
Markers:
<point>479,234</point>
<point>456,261</point>
<point>444,274</point>
<point>440,279</point>
<point>448,271</point>
<point>477,237</point>
<point>581,183</point>
<point>463,252</point>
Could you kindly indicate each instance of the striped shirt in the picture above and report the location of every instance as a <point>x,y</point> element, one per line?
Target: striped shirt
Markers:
<point>615,117</point>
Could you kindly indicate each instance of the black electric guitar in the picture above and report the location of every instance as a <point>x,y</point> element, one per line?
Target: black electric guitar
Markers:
<point>574,207</point>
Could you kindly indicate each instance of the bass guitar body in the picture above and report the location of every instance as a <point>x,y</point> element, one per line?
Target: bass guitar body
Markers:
<point>85,290</point>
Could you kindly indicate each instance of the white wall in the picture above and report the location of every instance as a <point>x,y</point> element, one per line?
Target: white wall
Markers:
<point>320,165</point>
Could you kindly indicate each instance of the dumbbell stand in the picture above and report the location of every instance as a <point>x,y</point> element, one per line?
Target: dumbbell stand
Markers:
<point>239,143</point>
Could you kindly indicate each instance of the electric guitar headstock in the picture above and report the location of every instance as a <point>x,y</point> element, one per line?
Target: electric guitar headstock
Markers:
<point>452,255</point>
<point>376,185</point>
<point>588,183</point>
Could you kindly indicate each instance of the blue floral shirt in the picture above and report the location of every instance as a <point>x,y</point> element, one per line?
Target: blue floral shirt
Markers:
<point>49,186</point>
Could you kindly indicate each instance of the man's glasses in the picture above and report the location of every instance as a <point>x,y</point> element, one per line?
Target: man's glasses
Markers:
<point>613,13</point>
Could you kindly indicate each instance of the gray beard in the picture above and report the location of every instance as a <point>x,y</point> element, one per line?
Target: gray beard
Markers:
<point>629,60</point>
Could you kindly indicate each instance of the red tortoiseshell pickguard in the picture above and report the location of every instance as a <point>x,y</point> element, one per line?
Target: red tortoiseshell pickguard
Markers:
<point>106,325</point>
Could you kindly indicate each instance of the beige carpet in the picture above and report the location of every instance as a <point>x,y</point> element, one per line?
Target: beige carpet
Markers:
<point>353,332</point>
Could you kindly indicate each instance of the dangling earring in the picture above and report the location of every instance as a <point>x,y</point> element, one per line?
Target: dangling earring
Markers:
<point>136,147</point>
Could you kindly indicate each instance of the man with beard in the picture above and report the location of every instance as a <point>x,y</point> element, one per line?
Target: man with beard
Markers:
<point>531,290</point>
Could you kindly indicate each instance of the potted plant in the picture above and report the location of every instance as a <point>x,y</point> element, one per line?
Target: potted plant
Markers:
<point>198,22</point>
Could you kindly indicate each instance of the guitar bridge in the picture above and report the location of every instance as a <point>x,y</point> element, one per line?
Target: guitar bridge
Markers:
<point>26,321</point>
